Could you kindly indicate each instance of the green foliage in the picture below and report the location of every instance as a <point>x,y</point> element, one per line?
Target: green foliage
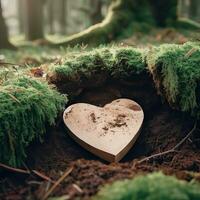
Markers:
<point>155,186</point>
<point>116,61</point>
<point>27,106</point>
<point>176,72</point>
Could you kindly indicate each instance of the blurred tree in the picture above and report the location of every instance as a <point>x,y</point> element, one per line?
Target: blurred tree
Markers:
<point>123,13</point>
<point>183,8</point>
<point>50,17</point>
<point>96,11</point>
<point>21,16</point>
<point>34,19</point>
<point>4,41</point>
<point>63,16</point>
<point>193,11</point>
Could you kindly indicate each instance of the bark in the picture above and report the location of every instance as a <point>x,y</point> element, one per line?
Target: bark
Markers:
<point>34,19</point>
<point>124,12</point>
<point>4,41</point>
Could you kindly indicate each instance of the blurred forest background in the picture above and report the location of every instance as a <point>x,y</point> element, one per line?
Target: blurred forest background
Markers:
<point>33,19</point>
<point>36,18</point>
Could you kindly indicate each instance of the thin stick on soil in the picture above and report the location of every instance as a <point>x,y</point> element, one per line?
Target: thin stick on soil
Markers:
<point>57,183</point>
<point>174,149</point>
<point>12,169</point>
<point>27,172</point>
<point>39,174</point>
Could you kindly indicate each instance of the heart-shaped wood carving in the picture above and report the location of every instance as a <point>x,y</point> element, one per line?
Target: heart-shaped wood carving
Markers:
<point>110,131</point>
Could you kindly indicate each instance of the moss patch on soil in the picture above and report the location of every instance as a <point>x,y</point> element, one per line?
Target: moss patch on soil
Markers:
<point>152,186</point>
<point>27,106</point>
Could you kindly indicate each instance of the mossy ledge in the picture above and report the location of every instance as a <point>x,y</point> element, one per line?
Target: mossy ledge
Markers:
<point>151,186</point>
<point>174,68</point>
<point>176,73</point>
<point>93,68</point>
<point>27,106</point>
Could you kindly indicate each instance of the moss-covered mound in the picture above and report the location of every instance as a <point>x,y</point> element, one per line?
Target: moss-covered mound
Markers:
<point>151,187</point>
<point>116,61</point>
<point>26,107</point>
<point>176,72</point>
<point>91,68</point>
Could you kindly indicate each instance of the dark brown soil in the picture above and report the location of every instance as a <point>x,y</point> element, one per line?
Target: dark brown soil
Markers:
<point>163,128</point>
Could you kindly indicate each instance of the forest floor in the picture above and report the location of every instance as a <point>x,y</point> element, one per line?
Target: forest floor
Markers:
<point>163,128</point>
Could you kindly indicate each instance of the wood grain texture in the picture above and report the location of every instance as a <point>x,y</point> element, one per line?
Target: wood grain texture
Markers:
<point>108,132</point>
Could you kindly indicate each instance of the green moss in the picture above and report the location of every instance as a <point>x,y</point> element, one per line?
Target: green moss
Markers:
<point>151,187</point>
<point>176,72</point>
<point>27,106</point>
<point>116,61</point>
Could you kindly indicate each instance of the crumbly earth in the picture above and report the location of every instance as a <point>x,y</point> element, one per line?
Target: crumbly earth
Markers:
<point>163,128</point>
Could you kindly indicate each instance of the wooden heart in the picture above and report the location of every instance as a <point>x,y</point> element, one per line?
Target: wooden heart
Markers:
<point>108,132</point>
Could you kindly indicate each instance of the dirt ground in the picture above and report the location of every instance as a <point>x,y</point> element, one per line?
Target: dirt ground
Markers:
<point>163,128</point>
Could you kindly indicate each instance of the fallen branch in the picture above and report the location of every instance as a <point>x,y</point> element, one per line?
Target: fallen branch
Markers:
<point>174,149</point>
<point>57,183</point>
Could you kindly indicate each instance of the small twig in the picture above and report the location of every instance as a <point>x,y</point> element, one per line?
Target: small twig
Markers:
<point>77,188</point>
<point>170,150</point>
<point>12,169</point>
<point>57,183</point>
<point>34,183</point>
<point>27,172</point>
<point>186,137</point>
<point>44,177</point>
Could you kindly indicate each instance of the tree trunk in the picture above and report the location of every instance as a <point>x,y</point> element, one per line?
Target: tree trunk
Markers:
<point>193,11</point>
<point>164,12</point>
<point>96,14</point>
<point>183,9</point>
<point>4,41</point>
<point>21,15</point>
<point>63,18</point>
<point>34,19</point>
<point>121,14</point>
<point>50,13</point>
